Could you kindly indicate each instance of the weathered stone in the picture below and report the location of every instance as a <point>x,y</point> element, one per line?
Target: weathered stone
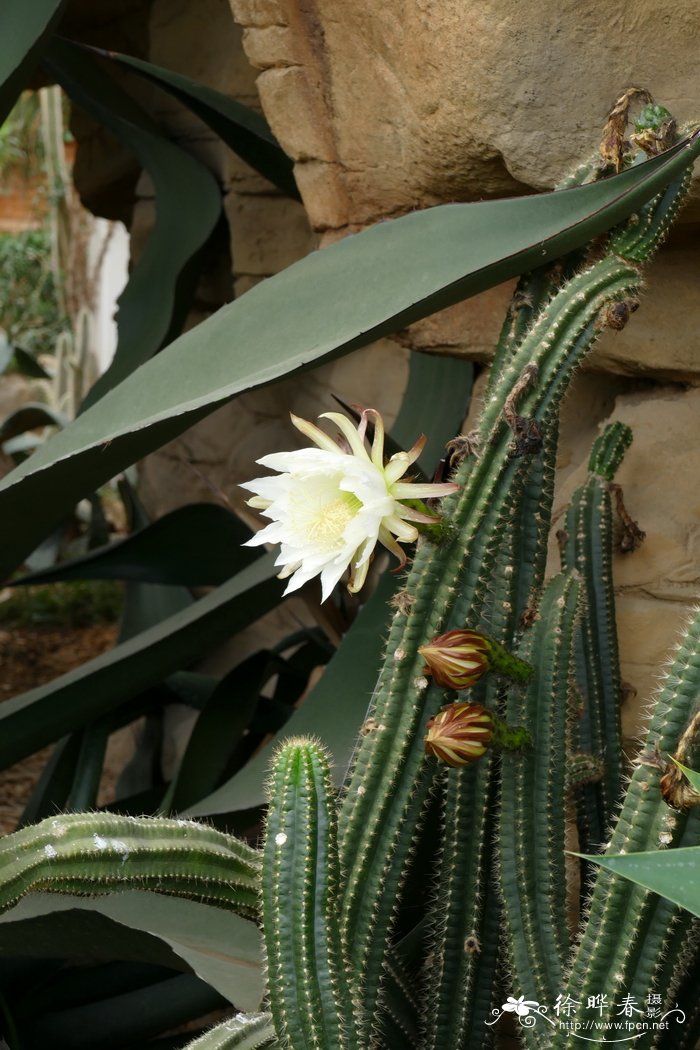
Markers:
<point>267,233</point>
<point>422,103</point>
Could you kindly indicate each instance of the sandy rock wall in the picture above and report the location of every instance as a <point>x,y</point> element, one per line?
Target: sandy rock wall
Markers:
<point>388,107</point>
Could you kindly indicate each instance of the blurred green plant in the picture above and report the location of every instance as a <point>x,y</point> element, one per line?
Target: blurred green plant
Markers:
<point>21,146</point>
<point>361,955</point>
<point>30,314</point>
<point>79,603</point>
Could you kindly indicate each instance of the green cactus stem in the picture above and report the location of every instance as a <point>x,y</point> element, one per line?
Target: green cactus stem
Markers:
<point>531,830</point>
<point>627,929</point>
<point>460,953</point>
<point>309,988</point>
<point>97,853</point>
<point>587,545</point>
<point>242,1032</point>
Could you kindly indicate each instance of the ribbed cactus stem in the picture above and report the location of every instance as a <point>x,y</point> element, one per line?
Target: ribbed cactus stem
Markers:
<point>459,953</point>
<point>627,928</point>
<point>587,545</point>
<point>97,853</point>
<point>242,1032</point>
<point>532,812</point>
<point>609,449</point>
<point>397,1026</point>
<point>310,996</point>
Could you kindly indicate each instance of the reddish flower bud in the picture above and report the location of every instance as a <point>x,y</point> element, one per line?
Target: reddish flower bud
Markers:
<point>457,659</point>
<point>459,734</point>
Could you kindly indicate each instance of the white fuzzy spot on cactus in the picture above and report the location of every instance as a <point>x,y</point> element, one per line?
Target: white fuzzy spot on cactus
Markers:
<point>280,839</point>
<point>58,828</point>
<point>399,654</point>
<point>665,838</point>
<point>50,852</point>
<point>121,847</point>
<point>99,842</point>
<point>360,790</point>
<point>420,683</point>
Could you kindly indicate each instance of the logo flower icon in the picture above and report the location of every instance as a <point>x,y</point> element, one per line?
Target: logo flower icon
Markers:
<point>520,1006</point>
<point>329,506</point>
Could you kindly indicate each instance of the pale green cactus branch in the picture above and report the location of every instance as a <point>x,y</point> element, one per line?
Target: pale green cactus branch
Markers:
<point>311,1000</point>
<point>242,1032</point>
<point>97,853</point>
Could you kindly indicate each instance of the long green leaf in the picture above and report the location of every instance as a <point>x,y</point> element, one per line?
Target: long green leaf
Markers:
<point>194,546</point>
<point>27,365</point>
<point>672,873</point>
<point>329,303</point>
<point>333,711</point>
<point>216,733</point>
<point>30,417</point>
<point>221,948</point>
<point>435,401</point>
<point>37,717</point>
<point>243,130</point>
<point>24,30</point>
<point>118,1020</point>
<point>188,205</point>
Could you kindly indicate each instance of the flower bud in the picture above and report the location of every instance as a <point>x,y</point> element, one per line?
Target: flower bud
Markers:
<point>459,734</point>
<point>457,659</point>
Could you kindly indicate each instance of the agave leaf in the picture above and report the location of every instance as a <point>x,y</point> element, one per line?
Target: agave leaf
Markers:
<point>672,873</point>
<point>196,545</point>
<point>243,130</point>
<point>41,715</point>
<point>220,947</point>
<point>154,303</point>
<point>24,30</point>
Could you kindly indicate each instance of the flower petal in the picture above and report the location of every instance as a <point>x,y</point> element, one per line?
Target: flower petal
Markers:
<point>349,431</point>
<point>318,436</point>
<point>409,490</point>
<point>377,452</point>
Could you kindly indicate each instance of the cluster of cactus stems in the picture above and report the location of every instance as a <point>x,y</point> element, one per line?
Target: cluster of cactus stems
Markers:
<point>348,967</point>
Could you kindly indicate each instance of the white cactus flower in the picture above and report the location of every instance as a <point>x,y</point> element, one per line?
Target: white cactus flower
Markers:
<point>329,506</point>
